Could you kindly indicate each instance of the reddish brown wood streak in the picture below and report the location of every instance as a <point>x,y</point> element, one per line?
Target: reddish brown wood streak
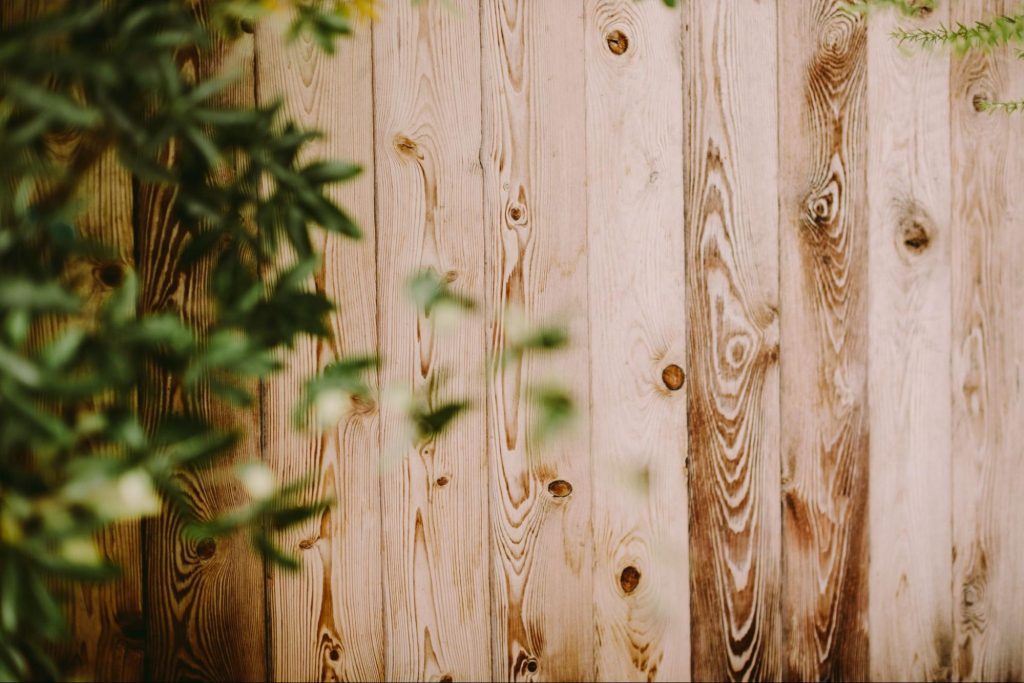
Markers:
<point>825,459</point>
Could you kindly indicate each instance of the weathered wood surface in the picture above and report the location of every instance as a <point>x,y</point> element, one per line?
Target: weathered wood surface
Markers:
<point>786,251</point>
<point>536,235</point>
<point>204,599</point>
<point>637,346</point>
<point>434,524</point>
<point>909,354</point>
<point>987,232</point>
<point>823,236</point>
<point>732,233</point>
<point>325,621</point>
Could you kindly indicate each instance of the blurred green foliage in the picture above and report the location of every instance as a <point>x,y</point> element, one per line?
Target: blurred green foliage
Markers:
<point>75,454</point>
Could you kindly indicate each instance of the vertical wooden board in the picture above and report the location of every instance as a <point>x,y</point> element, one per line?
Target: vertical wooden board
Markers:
<point>534,155</point>
<point>988,344</point>
<point>433,495</point>
<point>204,599</point>
<point>909,351</point>
<point>634,126</point>
<point>104,619</point>
<point>823,245</point>
<point>325,620</point>
<point>732,232</point>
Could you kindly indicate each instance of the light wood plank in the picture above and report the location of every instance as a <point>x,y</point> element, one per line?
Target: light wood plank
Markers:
<point>535,222</point>
<point>823,286</point>
<point>325,621</point>
<point>732,234</point>
<point>105,620</point>
<point>910,620</point>
<point>638,349</point>
<point>426,61</point>
<point>988,344</point>
<point>204,599</point>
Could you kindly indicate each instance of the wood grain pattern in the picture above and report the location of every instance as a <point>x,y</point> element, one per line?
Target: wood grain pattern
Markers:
<point>433,495</point>
<point>988,342</point>
<point>638,417</point>
<point>731,170</point>
<point>823,246</point>
<point>909,352</point>
<point>535,222</point>
<point>204,599</point>
<point>325,621</point>
<point>105,619</point>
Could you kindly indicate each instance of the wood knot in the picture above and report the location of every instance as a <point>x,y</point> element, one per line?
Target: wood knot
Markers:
<point>617,42</point>
<point>110,274</point>
<point>914,231</point>
<point>451,276</point>
<point>307,543</point>
<point>406,146</point>
<point>531,665</point>
<point>559,488</point>
<point>206,548</point>
<point>673,377</point>
<point>447,678</point>
<point>915,237</point>
<point>362,405</point>
<point>980,102</point>
<point>629,579</point>
<point>247,26</point>
<point>515,214</point>
<point>442,481</point>
<point>334,654</point>
<point>132,627</point>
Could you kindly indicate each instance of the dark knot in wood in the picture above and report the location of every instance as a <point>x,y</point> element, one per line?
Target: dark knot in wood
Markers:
<point>673,377</point>
<point>629,579</point>
<point>206,548</point>
<point>617,41</point>
<point>560,488</point>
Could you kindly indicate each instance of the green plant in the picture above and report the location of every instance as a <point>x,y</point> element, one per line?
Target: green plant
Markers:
<point>75,454</point>
<point>998,31</point>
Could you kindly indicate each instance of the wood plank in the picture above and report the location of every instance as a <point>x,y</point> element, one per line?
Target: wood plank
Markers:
<point>205,599</point>
<point>426,64</point>
<point>732,229</point>
<point>988,344</point>
<point>823,245</point>
<point>910,618</point>
<point>634,126</point>
<point>325,621</point>
<point>535,222</point>
<point>105,619</point>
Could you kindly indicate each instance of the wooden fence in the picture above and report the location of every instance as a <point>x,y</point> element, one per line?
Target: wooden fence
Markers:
<point>790,259</point>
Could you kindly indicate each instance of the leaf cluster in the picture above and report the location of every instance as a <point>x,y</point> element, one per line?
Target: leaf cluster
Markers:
<point>76,454</point>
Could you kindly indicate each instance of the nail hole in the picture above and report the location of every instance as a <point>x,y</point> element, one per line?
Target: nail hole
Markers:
<point>111,275</point>
<point>617,41</point>
<point>673,377</point>
<point>560,488</point>
<point>629,579</point>
<point>206,548</point>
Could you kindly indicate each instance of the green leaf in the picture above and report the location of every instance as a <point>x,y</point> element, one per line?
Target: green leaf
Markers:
<point>325,172</point>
